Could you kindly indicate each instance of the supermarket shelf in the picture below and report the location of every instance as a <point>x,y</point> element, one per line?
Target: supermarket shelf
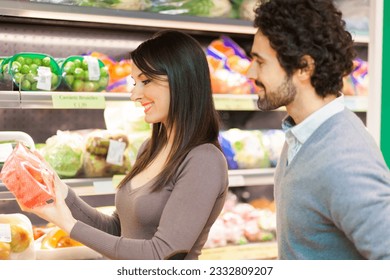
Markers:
<point>252,251</point>
<point>107,17</point>
<point>251,177</point>
<point>82,100</point>
<point>102,186</point>
<point>47,100</point>
<point>237,178</point>
<point>9,99</point>
<point>22,10</point>
<point>248,102</point>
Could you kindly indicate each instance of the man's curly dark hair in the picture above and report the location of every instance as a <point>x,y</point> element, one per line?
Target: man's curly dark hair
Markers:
<point>308,27</point>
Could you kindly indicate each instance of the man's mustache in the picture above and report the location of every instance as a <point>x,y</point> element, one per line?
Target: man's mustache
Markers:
<point>259,84</point>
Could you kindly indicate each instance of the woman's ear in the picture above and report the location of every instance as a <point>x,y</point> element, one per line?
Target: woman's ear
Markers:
<point>307,68</point>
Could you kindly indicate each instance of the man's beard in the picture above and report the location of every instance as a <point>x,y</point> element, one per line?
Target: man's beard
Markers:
<point>283,96</point>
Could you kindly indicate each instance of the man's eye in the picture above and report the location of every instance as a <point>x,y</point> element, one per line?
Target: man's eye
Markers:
<point>145,82</point>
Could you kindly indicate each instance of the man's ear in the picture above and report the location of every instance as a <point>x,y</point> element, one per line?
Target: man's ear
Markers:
<point>307,67</point>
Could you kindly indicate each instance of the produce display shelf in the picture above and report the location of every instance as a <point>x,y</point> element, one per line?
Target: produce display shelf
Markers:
<point>123,18</point>
<point>9,100</point>
<point>132,19</point>
<point>99,186</point>
<point>46,99</point>
<point>248,102</point>
<point>237,178</point>
<point>251,251</point>
<point>227,102</point>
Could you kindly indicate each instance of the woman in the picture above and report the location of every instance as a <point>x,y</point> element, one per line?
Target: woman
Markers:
<point>176,189</point>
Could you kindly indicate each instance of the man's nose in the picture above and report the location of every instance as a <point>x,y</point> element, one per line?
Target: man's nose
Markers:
<point>251,73</point>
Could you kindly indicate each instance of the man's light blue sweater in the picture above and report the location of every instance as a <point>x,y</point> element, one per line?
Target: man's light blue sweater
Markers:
<point>333,200</point>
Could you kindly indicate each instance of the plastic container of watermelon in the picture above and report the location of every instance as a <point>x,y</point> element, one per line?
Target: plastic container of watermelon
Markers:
<point>85,74</point>
<point>35,72</point>
<point>28,177</point>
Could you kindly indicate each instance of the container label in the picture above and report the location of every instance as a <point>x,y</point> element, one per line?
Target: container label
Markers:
<point>93,68</point>
<point>115,152</point>
<point>44,78</point>
<point>5,233</point>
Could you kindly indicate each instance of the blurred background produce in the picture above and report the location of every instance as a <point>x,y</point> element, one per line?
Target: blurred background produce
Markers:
<point>242,223</point>
<point>17,240</point>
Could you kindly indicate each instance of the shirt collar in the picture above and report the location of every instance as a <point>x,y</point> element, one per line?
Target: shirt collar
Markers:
<point>306,128</point>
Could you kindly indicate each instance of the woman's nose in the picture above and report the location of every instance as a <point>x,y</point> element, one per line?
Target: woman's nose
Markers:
<point>135,94</point>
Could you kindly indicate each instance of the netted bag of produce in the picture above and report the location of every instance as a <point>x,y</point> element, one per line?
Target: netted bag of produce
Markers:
<point>16,237</point>
<point>64,152</point>
<point>28,177</point>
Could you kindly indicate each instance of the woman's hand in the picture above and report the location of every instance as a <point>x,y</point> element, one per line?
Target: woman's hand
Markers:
<point>57,212</point>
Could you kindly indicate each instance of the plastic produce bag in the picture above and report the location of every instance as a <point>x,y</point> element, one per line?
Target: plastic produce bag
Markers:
<point>107,153</point>
<point>64,152</point>
<point>28,178</point>
<point>16,237</point>
<point>228,66</point>
<point>201,8</point>
<point>248,147</point>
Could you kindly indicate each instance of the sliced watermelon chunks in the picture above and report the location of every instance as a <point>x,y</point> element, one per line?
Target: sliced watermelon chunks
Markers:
<point>28,177</point>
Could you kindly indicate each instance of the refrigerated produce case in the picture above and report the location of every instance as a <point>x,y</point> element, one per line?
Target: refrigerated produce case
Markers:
<point>64,30</point>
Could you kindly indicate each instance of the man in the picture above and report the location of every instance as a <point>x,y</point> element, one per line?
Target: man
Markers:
<point>332,186</point>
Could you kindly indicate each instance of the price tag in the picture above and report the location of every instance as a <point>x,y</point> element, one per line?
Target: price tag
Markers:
<point>93,68</point>
<point>44,78</point>
<point>5,233</point>
<point>78,101</point>
<point>236,181</point>
<point>5,151</point>
<point>238,104</point>
<point>102,187</point>
<point>115,152</point>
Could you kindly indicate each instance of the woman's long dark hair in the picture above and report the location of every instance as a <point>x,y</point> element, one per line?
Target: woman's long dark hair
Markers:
<point>192,115</point>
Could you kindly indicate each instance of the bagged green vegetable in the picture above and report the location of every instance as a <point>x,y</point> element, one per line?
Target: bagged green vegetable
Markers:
<point>85,73</point>
<point>34,71</point>
<point>64,152</point>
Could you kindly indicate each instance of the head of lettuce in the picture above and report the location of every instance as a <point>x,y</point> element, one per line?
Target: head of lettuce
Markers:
<point>64,152</point>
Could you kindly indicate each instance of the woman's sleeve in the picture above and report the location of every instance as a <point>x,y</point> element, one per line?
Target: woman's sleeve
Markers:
<point>82,211</point>
<point>201,180</point>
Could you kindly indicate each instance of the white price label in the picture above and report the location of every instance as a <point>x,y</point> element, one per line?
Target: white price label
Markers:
<point>5,151</point>
<point>93,68</point>
<point>115,152</point>
<point>5,233</point>
<point>236,181</point>
<point>44,78</point>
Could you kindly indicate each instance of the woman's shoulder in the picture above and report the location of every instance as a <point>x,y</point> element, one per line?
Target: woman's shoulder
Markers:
<point>206,148</point>
<point>207,153</point>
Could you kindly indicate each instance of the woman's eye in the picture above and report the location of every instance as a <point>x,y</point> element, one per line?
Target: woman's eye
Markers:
<point>145,82</point>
